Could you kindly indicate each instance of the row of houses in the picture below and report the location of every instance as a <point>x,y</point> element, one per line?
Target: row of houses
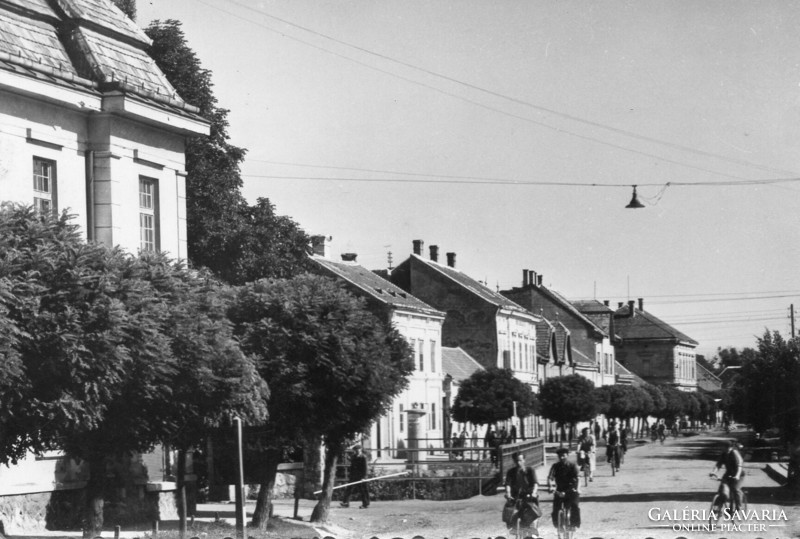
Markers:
<point>457,325</point>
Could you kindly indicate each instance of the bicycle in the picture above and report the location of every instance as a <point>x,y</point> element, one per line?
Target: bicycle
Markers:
<point>524,522</point>
<point>564,525</point>
<point>614,457</point>
<point>719,502</point>
<point>586,467</point>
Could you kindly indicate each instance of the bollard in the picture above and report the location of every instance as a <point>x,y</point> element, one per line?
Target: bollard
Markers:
<point>116,532</point>
<point>155,528</point>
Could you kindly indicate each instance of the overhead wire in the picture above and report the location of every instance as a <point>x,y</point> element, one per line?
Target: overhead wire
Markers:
<point>631,134</point>
<point>473,102</point>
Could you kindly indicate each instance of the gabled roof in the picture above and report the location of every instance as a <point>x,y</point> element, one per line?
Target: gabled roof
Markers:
<point>546,349</point>
<point>592,306</point>
<point>568,307</point>
<point>625,376</point>
<point>473,286</point>
<point>563,342</point>
<point>86,42</point>
<point>375,286</point>
<point>645,326</point>
<point>582,359</point>
<point>706,379</point>
<point>459,364</point>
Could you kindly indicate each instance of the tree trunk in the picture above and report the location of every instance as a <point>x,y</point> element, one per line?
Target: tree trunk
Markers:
<point>95,487</point>
<point>181,492</point>
<point>320,513</point>
<point>263,508</point>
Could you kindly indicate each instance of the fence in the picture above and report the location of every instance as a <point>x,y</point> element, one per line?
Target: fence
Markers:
<point>445,473</point>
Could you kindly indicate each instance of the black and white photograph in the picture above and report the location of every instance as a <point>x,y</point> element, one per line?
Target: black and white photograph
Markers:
<point>399,269</point>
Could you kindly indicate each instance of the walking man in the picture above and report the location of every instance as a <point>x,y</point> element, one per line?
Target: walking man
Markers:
<point>358,472</point>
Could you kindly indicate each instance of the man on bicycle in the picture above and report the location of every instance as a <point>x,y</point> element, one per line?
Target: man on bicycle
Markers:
<point>613,445</point>
<point>565,475</point>
<point>522,486</point>
<point>732,481</point>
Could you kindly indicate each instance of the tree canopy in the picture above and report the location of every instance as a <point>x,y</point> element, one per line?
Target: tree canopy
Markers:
<point>333,367</point>
<point>236,241</point>
<point>489,395</point>
<point>109,353</point>
<point>568,399</point>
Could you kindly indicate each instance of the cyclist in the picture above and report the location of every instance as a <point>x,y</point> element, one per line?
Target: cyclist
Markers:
<point>662,431</point>
<point>732,481</point>
<point>522,487</point>
<point>613,445</point>
<point>587,445</point>
<point>565,475</point>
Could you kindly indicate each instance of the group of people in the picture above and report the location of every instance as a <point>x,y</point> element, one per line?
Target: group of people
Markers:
<point>522,489</point>
<point>495,438</point>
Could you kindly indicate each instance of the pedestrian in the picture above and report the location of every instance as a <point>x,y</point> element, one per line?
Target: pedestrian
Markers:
<point>358,472</point>
<point>488,442</point>
<point>588,446</point>
<point>513,434</point>
<point>462,442</point>
<point>474,438</point>
<point>597,430</point>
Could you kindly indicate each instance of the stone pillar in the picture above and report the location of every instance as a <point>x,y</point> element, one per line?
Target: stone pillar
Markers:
<point>414,429</point>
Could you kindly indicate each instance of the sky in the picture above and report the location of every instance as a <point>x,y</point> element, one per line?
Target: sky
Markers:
<point>511,133</point>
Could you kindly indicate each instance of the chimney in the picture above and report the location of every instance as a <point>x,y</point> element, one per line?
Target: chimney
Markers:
<point>606,302</point>
<point>619,305</point>
<point>451,260</point>
<point>434,249</point>
<point>539,280</point>
<point>531,277</point>
<point>524,278</point>
<point>418,247</point>
<point>641,304</point>
<point>319,245</point>
<point>349,257</point>
<point>631,311</point>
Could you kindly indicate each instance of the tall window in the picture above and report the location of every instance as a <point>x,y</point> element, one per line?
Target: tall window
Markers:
<point>421,353</point>
<point>44,186</point>
<point>433,416</point>
<point>148,215</point>
<point>433,356</point>
<point>402,419</point>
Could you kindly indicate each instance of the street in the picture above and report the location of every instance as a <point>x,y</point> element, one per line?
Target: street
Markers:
<point>654,495</point>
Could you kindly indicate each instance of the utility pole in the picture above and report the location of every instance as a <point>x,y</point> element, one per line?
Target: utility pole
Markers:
<point>791,316</point>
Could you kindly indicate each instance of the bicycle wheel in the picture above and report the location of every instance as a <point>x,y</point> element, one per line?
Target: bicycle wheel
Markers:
<point>744,502</point>
<point>715,511</point>
<point>562,523</point>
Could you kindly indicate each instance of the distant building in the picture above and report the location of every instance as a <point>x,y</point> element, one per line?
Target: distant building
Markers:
<point>488,326</point>
<point>654,350</point>
<point>457,366</point>
<point>421,325</point>
<point>584,345</point>
<point>603,317</point>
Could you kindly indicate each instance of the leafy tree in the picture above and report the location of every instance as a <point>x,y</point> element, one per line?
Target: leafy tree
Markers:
<point>732,357</point>
<point>488,396</point>
<point>623,402</point>
<point>238,242</point>
<point>674,403</point>
<point>769,387</point>
<point>333,368</point>
<point>110,353</point>
<point>568,399</point>
<point>214,379</point>
<point>128,7</point>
